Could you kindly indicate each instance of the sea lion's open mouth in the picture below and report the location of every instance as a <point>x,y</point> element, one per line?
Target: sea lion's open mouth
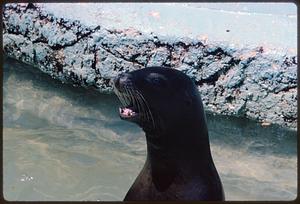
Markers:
<point>131,104</point>
<point>134,106</point>
<point>127,112</point>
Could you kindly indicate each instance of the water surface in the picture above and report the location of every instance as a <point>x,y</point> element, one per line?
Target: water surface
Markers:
<point>68,143</point>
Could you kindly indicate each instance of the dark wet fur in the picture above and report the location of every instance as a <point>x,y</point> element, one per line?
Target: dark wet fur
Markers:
<point>179,165</point>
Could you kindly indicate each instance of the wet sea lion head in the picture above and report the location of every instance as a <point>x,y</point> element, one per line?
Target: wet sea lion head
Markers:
<point>158,99</point>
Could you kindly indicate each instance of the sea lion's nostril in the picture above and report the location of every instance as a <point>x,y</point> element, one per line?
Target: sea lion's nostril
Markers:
<point>116,82</point>
<point>112,82</point>
<point>124,75</point>
<point>121,80</point>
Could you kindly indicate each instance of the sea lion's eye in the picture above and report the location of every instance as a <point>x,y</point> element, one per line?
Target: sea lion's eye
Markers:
<point>156,81</point>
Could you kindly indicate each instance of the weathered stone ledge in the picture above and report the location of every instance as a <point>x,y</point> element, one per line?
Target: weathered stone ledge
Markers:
<point>256,82</point>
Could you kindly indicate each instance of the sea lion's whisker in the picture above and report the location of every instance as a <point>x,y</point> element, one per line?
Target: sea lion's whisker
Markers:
<point>121,97</point>
<point>127,97</point>
<point>124,98</point>
<point>135,100</point>
<point>149,111</point>
<point>132,97</point>
<point>118,95</point>
<point>141,105</point>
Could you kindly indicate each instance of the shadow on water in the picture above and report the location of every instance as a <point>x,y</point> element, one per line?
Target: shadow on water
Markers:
<point>73,144</point>
<point>250,135</point>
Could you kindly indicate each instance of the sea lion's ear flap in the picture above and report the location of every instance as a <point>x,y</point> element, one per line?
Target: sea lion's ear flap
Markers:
<point>187,99</point>
<point>188,102</point>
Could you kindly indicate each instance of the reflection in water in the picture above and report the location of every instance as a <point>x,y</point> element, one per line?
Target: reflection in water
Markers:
<point>66,143</point>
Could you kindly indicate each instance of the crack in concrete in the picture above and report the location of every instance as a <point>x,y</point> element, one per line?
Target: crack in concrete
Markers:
<point>118,55</point>
<point>58,46</point>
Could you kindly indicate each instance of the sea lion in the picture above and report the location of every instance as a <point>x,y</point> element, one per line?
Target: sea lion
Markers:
<point>166,104</point>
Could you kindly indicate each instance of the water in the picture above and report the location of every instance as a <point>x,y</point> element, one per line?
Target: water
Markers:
<point>67,143</point>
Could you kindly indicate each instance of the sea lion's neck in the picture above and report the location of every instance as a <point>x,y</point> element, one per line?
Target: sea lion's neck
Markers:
<point>182,150</point>
<point>169,156</point>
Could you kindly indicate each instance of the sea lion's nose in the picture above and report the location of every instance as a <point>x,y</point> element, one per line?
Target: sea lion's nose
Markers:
<point>121,80</point>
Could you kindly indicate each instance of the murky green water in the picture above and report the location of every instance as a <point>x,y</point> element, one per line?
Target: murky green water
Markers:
<point>66,143</point>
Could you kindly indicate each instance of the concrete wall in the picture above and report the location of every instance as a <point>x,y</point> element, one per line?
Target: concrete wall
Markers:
<point>246,81</point>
